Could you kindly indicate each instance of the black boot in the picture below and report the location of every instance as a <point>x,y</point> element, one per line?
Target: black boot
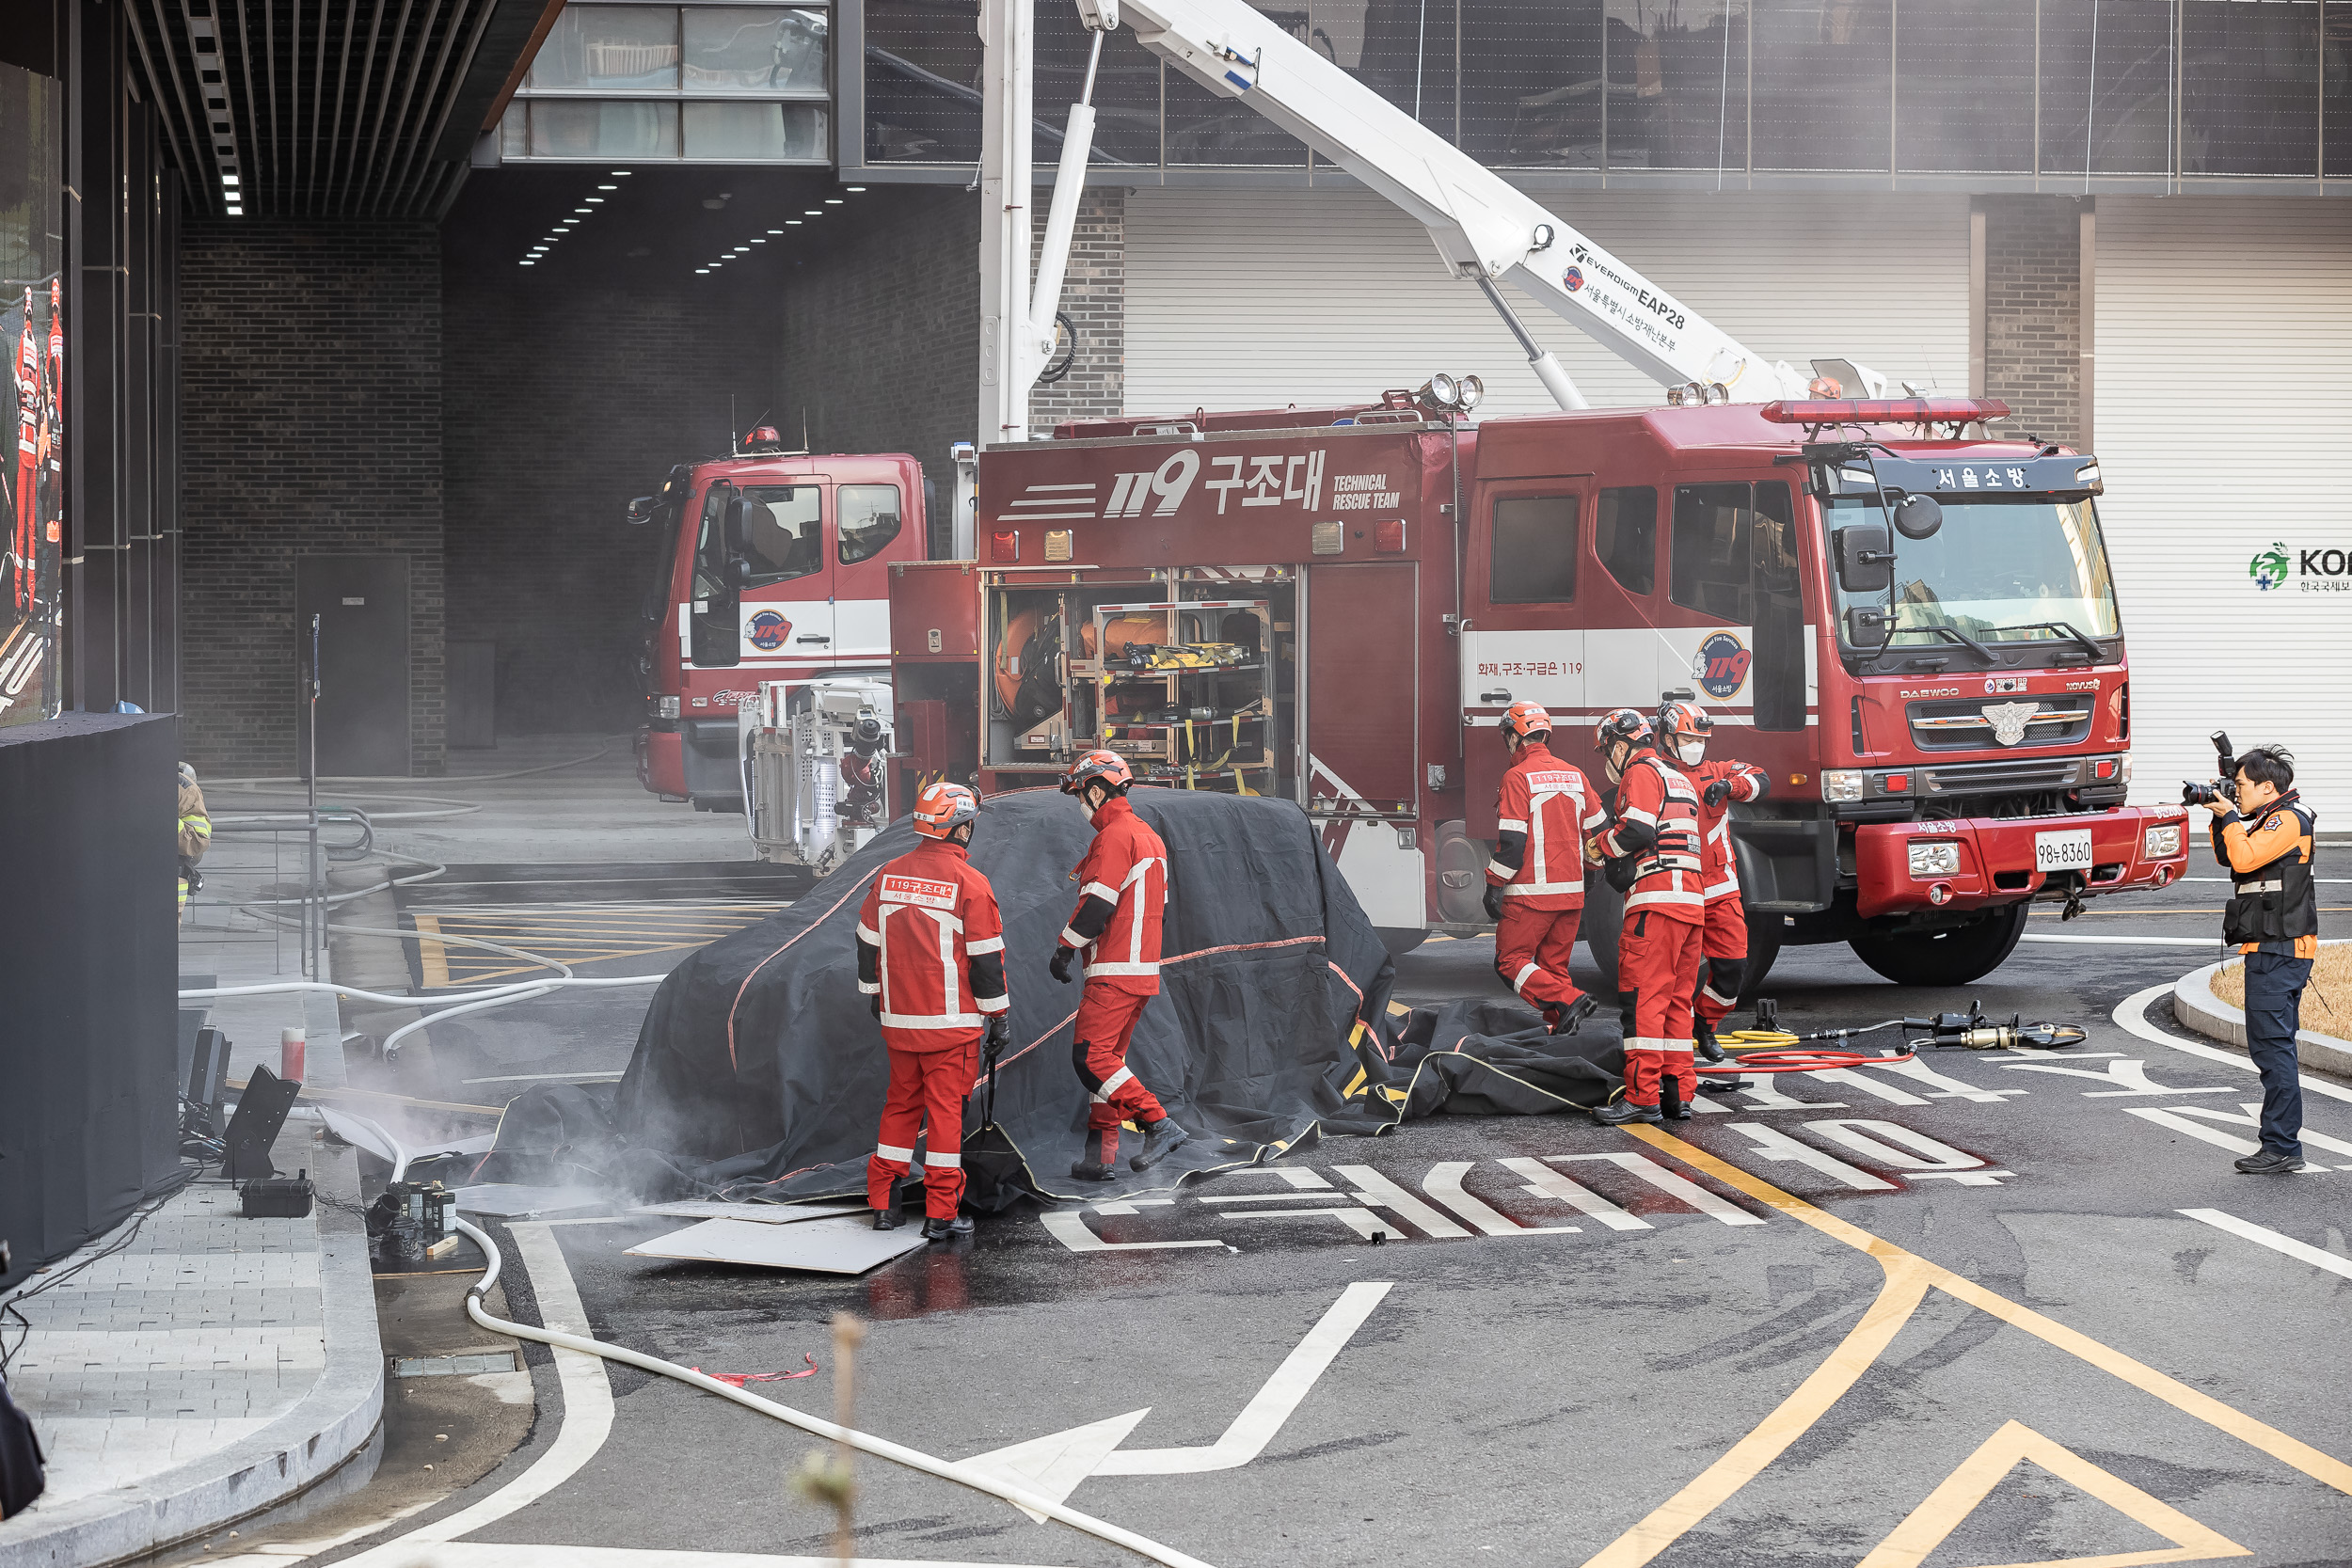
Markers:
<point>1574,1014</point>
<point>1619,1112</point>
<point>1703,1039</point>
<point>1671,1105</point>
<point>941,1230</point>
<point>1160,1139</point>
<point>1098,1164</point>
<point>886,1219</point>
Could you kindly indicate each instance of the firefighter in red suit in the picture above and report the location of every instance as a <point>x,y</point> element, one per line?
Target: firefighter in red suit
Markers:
<point>1122,887</point>
<point>1683,729</point>
<point>931,955</point>
<point>1535,881</point>
<point>1653,850</point>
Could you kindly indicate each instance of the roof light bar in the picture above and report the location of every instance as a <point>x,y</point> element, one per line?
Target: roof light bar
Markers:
<point>1884,411</point>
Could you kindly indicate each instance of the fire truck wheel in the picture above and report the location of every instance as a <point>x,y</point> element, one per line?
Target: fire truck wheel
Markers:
<point>1763,949</point>
<point>1604,916</point>
<point>1951,957</point>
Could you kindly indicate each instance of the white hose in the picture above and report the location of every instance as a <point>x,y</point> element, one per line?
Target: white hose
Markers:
<point>449,806</point>
<point>400,1151</point>
<point>962,1475</point>
<point>453,778</point>
<point>436,870</point>
<point>282,987</point>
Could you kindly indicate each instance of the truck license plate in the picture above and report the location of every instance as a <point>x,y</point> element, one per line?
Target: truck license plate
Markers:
<point>2069,850</point>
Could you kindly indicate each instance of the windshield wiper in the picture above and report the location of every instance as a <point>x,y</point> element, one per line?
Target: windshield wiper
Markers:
<point>1956,635</point>
<point>2063,628</point>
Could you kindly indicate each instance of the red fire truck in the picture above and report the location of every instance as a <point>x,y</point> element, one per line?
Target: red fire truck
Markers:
<point>1908,621</point>
<point>772,566</point>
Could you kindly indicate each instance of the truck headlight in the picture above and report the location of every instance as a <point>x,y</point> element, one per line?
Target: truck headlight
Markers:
<point>1934,860</point>
<point>665,708</point>
<point>2163,842</point>
<point>1842,784</point>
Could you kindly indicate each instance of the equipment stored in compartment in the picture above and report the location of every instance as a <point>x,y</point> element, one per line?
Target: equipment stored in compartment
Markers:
<point>815,786</point>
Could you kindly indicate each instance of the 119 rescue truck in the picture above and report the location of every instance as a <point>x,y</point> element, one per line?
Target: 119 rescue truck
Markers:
<point>1907,620</point>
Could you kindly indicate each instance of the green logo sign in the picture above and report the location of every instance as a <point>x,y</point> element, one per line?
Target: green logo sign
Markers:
<point>2268,568</point>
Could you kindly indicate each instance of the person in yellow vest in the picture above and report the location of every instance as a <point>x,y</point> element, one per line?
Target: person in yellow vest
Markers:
<point>195,834</point>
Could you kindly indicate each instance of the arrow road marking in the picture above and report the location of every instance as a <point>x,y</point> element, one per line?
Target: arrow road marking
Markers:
<point>1055,1463</point>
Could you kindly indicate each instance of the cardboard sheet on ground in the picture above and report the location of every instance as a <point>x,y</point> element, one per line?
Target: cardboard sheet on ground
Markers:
<point>843,1244</point>
<point>753,1214</point>
<point>759,1073</point>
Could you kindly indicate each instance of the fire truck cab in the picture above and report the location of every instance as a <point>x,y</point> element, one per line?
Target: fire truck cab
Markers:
<point>1909,623</point>
<point>770,566</point>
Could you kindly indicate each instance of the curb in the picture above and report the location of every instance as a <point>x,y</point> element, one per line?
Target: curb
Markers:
<point>2196,1007</point>
<point>333,1421</point>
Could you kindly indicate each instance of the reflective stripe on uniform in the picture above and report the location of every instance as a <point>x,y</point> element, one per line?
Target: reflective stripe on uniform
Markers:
<point>870,938</point>
<point>1098,890</point>
<point>1693,901</point>
<point>934,1159</point>
<point>1496,868</point>
<point>986,945</point>
<point>1539,890</point>
<point>1521,978</point>
<point>1728,887</point>
<point>1072,938</point>
<point>1093,969</point>
<point>869,987</point>
<point>993,1003</point>
<point>891,1151</point>
<point>1510,825</point>
<point>1102,1095</point>
<point>933,1020</point>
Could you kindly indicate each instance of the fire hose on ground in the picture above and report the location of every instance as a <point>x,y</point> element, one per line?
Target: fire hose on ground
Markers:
<point>1769,1049</point>
<point>962,1475</point>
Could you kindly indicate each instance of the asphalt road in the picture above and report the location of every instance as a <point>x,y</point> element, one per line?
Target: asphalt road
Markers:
<point>1952,1314</point>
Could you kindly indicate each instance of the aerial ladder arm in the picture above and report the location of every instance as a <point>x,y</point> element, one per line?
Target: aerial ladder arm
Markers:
<point>1487,230</point>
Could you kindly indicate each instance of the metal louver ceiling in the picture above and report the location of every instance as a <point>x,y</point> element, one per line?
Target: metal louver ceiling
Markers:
<point>319,108</point>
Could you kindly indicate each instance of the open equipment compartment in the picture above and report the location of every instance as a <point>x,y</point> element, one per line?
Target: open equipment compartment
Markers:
<point>1189,674</point>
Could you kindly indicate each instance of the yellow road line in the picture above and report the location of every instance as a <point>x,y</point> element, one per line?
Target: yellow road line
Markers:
<point>1924,1528</point>
<point>432,956</point>
<point>1908,1277</point>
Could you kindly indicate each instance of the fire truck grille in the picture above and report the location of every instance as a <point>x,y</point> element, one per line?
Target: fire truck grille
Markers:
<point>2001,778</point>
<point>1977,726</point>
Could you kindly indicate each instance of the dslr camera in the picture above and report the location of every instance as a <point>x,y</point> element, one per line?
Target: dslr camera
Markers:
<point>2222,788</point>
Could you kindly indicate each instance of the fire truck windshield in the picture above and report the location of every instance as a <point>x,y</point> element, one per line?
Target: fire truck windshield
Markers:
<point>2012,569</point>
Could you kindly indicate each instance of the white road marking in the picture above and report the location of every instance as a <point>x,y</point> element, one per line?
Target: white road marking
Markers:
<point>1762,1094</point>
<point>1055,1463</point>
<point>2130,1072</point>
<point>2178,1118</point>
<point>1382,1193</point>
<point>2128,941</point>
<point>2131,1017</point>
<point>1846,1077</point>
<point>1264,1416</point>
<point>1444,1184</point>
<point>1674,1185</point>
<point>1902,1149</point>
<point>1542,1181</point>
<point>1774,1144</point>
<point>2250,1114</point>
<point>1940,1087</point>
<point>1071,1231</point>
<point>2301,1251</point>
<point>484,1555</point>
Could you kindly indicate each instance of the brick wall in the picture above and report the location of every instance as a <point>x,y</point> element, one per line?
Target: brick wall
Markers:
<point>310,395</point>
<point>1094,296</point>
<point>566,401</point>
<point>2033,312</point>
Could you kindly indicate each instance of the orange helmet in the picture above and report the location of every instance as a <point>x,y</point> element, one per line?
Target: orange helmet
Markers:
<point>1683,727</point>
<point>1521,719</point>
<point>944,807</point>
<point>1625,725</point>
<point>1108,768</point>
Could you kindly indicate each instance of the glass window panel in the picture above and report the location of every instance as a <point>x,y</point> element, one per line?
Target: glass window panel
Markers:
<point>575,130</point>
<point>868,520</point>
<point>783,536</point>
<point>922,81</point>
<point>1712,543</point>
<point>1204,128</point>
<point>1534,558</point>
<point>1822,83</point>
<point>2125,115</point>
<point>768,50</point>
<point>2250,94</point>
<point>1625,537</point>
<point>1963,87</point>
<point>1778,667</point>
<point>1404,50</point>
<point>1126,89</point>
<point>2335,87</point>
<point>756,133</point>
<point>610,46</point>
<point>1677,83</point>
<point>513,142</point>
<point>1532,82</point>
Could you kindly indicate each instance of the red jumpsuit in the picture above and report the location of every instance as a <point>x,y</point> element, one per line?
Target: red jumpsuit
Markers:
<point>1116,927</point>
<point>1545,809</point>
<point>931,946</point>
<point>1724,945</point>
<point>1658,952</point>
<point>24,542</point>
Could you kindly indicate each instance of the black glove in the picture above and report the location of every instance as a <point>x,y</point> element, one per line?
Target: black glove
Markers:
<point>1060,966</point>
<point>999,1032</point>
<point>1494,902</point>
<point>1716,793</point>
<point>873,1005</point>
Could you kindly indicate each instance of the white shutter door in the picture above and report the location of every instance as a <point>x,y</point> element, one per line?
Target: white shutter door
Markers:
<point>2222,402</point>
<point>1255,299</point>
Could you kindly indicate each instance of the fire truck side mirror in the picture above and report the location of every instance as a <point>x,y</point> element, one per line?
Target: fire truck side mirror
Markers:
<point>1918,517</point>
<point>1865,565</point>
<point>1866,628</point>
<point>640,510</point>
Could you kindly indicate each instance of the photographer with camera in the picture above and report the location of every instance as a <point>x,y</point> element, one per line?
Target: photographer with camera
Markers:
<point>2263,832</point>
